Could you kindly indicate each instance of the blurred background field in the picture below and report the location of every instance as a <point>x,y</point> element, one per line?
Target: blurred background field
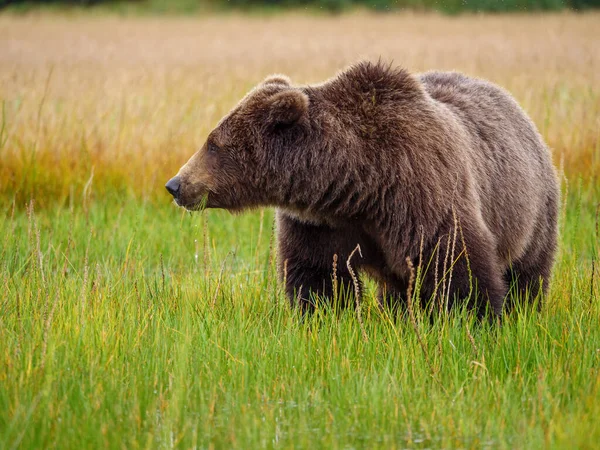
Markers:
<point>123,102</point>
<point>127,323</point>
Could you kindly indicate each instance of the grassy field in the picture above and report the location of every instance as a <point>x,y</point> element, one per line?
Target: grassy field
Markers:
<point>127,323</point>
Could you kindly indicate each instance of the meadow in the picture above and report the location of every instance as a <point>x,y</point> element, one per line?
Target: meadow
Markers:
<point>128,323</point>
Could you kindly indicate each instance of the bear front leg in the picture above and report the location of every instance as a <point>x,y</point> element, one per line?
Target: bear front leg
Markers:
<point>306,262</point>
<point>307,286</point>
<point>392,292</point>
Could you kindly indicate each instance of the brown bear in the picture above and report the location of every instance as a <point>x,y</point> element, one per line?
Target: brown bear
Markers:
<point>440,168</point>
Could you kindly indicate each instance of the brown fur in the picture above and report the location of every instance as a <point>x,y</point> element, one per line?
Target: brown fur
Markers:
<point>393,162</point>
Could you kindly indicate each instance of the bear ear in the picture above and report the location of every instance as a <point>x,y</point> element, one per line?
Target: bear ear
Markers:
<point>278,79</point>
<point>287,107</point>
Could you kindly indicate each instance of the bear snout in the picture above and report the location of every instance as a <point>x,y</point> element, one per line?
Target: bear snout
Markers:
<point>173,186</point>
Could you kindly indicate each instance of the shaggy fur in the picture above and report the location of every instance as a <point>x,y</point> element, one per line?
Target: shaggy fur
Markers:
<point>440,168</point>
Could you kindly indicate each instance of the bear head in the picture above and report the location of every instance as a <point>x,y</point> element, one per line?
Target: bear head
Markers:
<point>240,164</point>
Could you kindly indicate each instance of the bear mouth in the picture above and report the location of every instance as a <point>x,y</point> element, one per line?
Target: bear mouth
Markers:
<point>198,205</point>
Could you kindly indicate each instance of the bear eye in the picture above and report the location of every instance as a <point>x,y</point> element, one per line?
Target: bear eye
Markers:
<point>213,148</point>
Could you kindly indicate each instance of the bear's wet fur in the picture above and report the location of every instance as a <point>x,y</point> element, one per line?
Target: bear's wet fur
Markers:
<point>440,168</point>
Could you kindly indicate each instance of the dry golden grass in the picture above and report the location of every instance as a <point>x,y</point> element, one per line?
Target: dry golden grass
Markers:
<point>128,100</point>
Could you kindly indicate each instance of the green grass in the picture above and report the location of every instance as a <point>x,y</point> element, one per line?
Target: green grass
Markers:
<point>129,324</point>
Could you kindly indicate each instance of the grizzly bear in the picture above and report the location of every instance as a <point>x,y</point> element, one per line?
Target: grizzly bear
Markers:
<point>438,174</point>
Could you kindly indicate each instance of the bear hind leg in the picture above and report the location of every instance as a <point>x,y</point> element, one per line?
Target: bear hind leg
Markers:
<point>529,278</point>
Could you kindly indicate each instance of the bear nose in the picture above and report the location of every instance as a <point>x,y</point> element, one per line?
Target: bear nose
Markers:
<point>173,186</point>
